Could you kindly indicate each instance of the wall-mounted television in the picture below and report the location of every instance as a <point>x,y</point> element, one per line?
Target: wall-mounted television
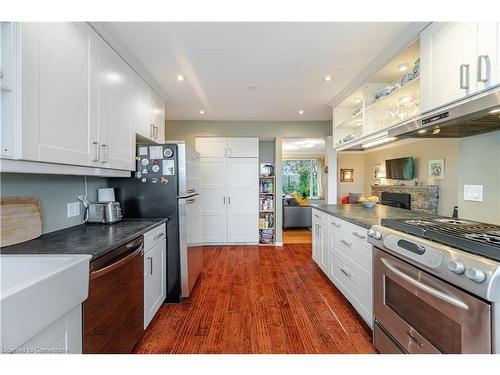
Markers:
<point>399,169</point>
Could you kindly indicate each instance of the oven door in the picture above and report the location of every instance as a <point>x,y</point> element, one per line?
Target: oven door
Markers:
<point>424,314</point>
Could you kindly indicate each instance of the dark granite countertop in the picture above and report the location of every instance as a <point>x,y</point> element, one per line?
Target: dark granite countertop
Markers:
<point>94,239</point>
<point>366,217</point>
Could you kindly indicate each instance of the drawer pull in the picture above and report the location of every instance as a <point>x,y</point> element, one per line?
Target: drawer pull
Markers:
<point>335,224</point>
<point>348,274</point>
<point>346,243</point>
<point>359,235</point>
<point>159,235</point>
<point>317,216</point>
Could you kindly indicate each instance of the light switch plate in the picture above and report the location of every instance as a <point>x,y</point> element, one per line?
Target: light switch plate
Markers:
<point>73,209</point>
<point>473,193</point>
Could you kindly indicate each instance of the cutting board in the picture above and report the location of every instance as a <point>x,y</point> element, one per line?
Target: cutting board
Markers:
<point>20,220</point>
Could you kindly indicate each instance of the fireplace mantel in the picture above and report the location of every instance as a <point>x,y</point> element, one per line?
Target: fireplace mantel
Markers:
<point>423,198</point>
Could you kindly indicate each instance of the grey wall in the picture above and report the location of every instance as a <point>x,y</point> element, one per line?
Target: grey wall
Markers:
<point>479,164</point>
<point>54,192</point>
<point>267,152</point>
<point>265,130</point>
<point>189,130</point>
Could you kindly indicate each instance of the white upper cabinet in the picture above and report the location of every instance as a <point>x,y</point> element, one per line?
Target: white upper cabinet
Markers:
<point>158,118</point>
<point>457,60</point>
<point>142,108</point>
<point>216,147</point>
<point>211,147</point>
<point>488,55</point>
<point>242,147</point>
<point>58,91</point>
<point>149,112</point>
<point>116,145</point>
<point>69,98</point>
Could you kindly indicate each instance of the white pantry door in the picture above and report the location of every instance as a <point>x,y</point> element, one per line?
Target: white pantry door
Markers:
<point>243,196</point>
<point>213,176</point>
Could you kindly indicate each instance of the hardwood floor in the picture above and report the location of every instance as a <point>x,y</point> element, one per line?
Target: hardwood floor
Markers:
<point>299,235</point>
<point>259,299</point>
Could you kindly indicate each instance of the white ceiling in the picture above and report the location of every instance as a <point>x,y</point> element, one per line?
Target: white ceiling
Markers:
<point>303,147</point>
<point>287,62</point>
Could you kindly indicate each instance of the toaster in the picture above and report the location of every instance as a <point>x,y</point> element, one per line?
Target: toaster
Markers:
<point>105,213</point>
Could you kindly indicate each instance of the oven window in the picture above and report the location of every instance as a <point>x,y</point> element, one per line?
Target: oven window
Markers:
<point>441,331</point>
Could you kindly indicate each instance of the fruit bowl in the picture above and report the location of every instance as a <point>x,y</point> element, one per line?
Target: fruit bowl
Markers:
<point>369,204</point>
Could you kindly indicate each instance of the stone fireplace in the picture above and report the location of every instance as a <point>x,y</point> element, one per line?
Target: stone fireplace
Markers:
<point>422,198</point>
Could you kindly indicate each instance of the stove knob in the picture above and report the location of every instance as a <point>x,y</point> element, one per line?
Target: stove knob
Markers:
<point>456,267</point>
<point>374,234</point>
<point>475,275</point>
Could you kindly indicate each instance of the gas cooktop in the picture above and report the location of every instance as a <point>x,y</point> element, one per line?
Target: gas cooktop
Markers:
<point>471,236</point>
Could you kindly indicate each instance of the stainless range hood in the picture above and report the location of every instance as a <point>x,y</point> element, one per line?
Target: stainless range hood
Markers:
<point>476,115</point>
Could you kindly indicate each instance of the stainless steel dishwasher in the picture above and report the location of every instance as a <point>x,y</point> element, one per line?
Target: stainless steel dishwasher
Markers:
<point>113,314</point>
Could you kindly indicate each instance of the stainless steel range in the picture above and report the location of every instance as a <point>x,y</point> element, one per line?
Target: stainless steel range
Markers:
<point>436,286</point>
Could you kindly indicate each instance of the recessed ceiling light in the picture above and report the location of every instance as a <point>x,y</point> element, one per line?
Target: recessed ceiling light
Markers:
<point>436,131</point>
<point>357,100</point>
<point>301,112</point>
<point>180,77</point>
<point>403,67</point>
<point>327,78</point>
<point>493,111</point>
<point>202,112</point>
<point>422,131</point>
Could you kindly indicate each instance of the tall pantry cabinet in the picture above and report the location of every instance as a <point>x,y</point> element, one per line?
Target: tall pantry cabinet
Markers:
<point>229,189</point>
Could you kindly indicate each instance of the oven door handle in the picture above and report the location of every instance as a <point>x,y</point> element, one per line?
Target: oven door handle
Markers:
<point>426,288</point>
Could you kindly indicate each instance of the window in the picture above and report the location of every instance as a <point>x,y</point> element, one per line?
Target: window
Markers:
<point>303,177</point>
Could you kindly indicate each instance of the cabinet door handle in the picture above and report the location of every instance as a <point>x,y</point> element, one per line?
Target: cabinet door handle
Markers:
<point>335,224</point>
<point>348,274</point>
<point>483,68</point>
<point>151,131</point>
<point>156,132</point>
<point>224,199</point>
<point>150,259</point>
<point>228,200</point>
<point>105,149</point>
<point>346,243</point>
<point>96,151</point>
<point>359,235</point>
<point>159,235</point>
<point>464,76</point>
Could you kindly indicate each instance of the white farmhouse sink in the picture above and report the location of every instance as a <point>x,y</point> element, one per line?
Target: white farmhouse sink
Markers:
<point>36,290</point>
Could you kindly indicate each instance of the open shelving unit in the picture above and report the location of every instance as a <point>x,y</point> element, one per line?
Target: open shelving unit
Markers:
<point>361,115</point>
<point>267,209</point>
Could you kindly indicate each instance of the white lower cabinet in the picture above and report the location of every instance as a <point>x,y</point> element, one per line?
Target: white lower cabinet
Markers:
<point>64,336</point>
<point>155,272</point>
<point>341,250</point>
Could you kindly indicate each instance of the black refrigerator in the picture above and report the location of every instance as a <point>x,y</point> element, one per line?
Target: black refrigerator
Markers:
<point>166,185</point>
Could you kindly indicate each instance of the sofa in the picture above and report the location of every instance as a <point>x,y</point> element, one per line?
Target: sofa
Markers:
<point>296,216</point>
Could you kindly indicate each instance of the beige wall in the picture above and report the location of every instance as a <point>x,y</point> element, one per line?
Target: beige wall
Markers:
<point>479,164</point>
<point>354,161</point>
<point>265,130</point>
<point>422,151</point>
